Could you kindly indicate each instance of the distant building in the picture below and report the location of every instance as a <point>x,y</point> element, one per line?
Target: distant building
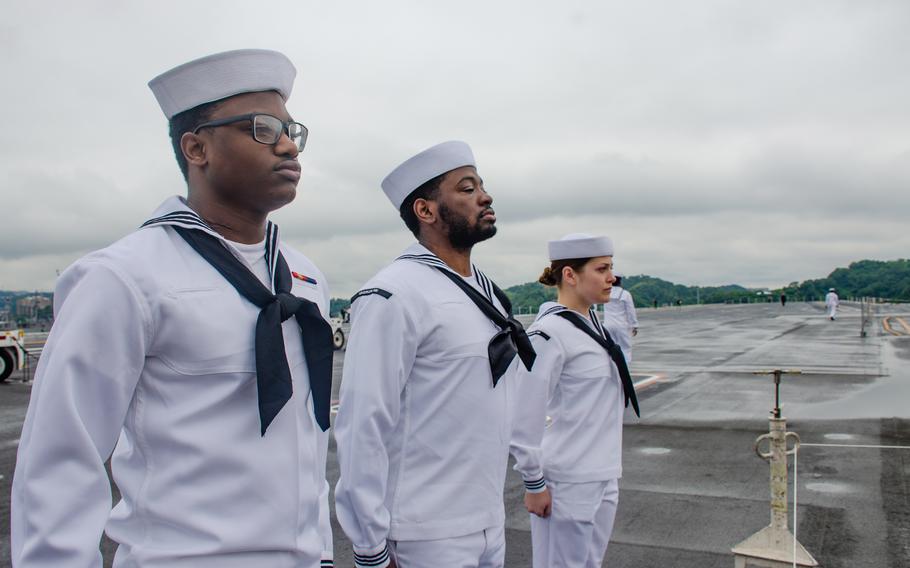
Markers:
<point>765,295</point>
<point>31,306</point>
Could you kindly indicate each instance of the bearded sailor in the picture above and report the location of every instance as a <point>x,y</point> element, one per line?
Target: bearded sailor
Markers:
<point>195,349</point>
<point>580,380</point>
<point>423,427</point>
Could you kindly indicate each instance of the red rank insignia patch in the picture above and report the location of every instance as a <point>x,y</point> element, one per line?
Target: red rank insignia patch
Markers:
<point>306,279</point>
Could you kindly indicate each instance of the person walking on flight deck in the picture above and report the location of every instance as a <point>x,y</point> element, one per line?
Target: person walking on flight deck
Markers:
<point>831,303</point>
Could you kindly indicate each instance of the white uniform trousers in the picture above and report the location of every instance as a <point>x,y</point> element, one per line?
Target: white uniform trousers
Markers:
<point>832,311</point>
<point>483,549</point>
<point>577,532</point>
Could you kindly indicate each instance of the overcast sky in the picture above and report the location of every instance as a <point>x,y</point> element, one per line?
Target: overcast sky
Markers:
<point>717,142</point>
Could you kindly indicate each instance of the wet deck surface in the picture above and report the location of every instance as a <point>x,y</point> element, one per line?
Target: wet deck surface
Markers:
<point>691,487</point>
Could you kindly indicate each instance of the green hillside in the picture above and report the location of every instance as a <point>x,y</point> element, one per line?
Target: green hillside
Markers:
<point>870,278</point>
<point>645,290</point>
<point>873,278</point>
<point>886,279</point>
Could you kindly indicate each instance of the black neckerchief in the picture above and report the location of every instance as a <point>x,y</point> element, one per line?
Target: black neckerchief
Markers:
<point>602,337</point>
<point>511,338</point>
<point>273,375</point>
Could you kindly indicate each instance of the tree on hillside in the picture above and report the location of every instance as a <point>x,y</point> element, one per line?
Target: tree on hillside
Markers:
<point>872,278</point>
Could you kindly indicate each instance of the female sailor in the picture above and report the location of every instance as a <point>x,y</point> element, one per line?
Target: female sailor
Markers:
<point>580,383</point>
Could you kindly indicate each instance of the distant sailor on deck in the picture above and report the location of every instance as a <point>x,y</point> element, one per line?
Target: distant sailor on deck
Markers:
<point>423,427</point>
<point>620,318</point>
<point>197,350</point>
<point>832,302</point>
<point>571,469</point>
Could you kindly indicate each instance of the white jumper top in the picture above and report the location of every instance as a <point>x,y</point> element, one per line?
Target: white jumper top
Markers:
<point>423,436</point>
<point>620,318</point>
<point>151,358</point>
<point>577,385</point>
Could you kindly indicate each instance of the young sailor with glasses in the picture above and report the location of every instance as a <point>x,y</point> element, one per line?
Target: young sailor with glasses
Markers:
<point>581,384</point>
<point>197,350</point>
<point>423,427</point>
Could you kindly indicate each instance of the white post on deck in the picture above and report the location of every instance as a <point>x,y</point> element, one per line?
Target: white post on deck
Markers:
<point>775,546</point>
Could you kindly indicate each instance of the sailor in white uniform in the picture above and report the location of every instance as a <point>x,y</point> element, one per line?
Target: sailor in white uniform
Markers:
<point>831,303</point>
<point>620,319</point>
<point>423,426</point>
<point>572,467</point>
<point>197,351</point>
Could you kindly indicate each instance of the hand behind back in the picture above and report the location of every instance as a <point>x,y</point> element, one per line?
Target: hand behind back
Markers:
<point>539,503</point>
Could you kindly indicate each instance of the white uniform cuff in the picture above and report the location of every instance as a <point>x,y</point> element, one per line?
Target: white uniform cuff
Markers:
<point>376,557</point>
<point>536,485</point>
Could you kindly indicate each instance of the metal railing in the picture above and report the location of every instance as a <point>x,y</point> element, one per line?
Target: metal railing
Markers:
<point>29,356</point>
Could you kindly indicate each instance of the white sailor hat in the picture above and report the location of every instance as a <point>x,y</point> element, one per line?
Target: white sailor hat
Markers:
<point>580,245</point>
<point>423,167</point>
<point>831,289</point>
<point>222,75</point>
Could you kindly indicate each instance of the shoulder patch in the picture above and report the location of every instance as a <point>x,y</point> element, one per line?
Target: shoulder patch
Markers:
<point>369,291</point>
<point>540,333</point>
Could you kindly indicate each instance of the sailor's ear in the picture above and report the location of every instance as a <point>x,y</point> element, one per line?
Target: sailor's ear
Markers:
<point>425,210</point>
<point>194,149</point>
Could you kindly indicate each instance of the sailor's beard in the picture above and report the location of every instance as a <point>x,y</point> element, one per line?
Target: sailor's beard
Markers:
<point>462,235</point>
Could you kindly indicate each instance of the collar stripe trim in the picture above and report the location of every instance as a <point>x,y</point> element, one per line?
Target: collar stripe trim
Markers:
<point>190,220</point>
<point>552,310</point>
<point>426,259</point>
<point>271,250</point>
<point>484,282</point>
<point>433,260</point>
<point>597,325</point>
<point>179,217</point>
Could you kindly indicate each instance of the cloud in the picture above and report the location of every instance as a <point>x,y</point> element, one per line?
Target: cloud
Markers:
<point>59,211</point>
<point>35,272</point>
<point>751,248</point>
<point>774,180</point>
<point>753,143</point>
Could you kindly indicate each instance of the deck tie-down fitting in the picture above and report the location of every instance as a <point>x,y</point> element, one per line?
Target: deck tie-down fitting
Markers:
<point>775,546</point>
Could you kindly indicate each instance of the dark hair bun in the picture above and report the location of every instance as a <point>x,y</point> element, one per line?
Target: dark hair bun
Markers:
<point>548,277</point>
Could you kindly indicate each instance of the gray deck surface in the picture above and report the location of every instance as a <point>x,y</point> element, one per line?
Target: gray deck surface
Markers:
<point>691,487</point>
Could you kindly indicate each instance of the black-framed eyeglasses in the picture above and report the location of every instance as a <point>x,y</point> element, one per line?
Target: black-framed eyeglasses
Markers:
<point>267,129</point>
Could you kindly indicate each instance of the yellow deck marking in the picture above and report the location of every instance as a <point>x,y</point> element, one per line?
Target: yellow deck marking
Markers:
<point>886,323</point>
